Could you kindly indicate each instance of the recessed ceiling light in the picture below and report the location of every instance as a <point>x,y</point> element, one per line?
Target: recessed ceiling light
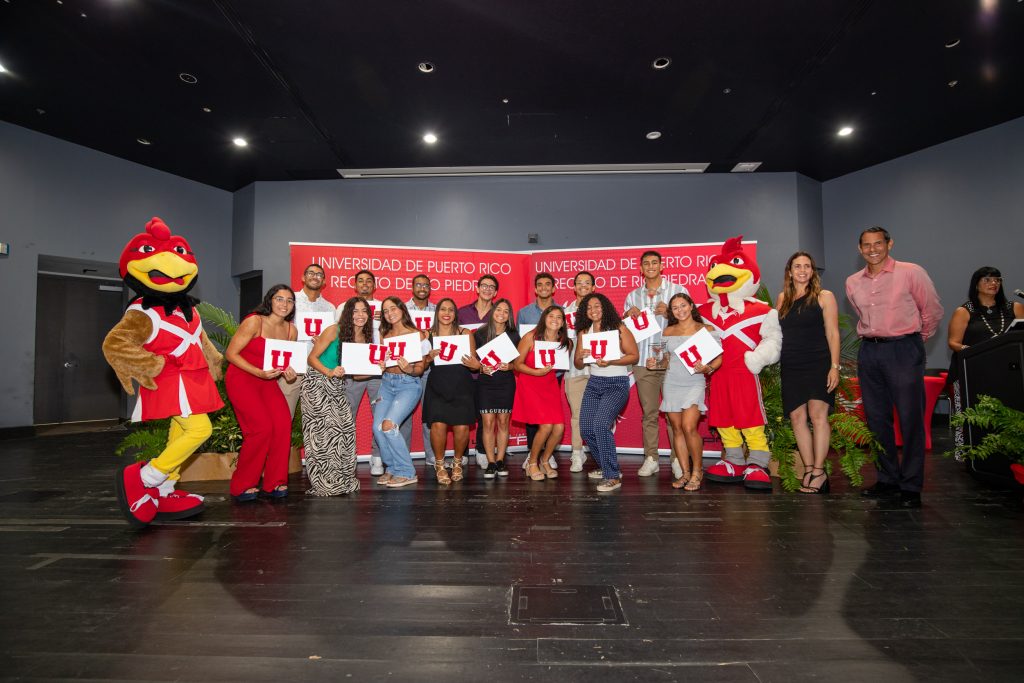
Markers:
<point>953,83</point>
<point>207,110</point>
<point>82,15</point>
<point>40,111</point>
<point>188,78</point>
<point>426,67</point>
<point>844,131</point>
<point>653,135</point>
<point>953,43</point>
<point>240,142</point>
<point>143,141</point>
<point>745,167</point>
<point>661,63</point>
<point>726,91</point>
<point>2,69</point>
<point>430,138</point>
<point>874,92</point>
<point>504,100</point>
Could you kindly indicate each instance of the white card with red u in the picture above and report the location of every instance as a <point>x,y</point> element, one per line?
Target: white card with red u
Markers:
<point>311,324</point>
<point>405,345</point>
<point>570,323</point>
<point>547,353</point>
<point>279,354</point>
<point>525,328</point>
<point>422,320</point>
<point>702,347</point>
<point>643,325</point>
<point>602,346</point>
<point>362,359</point>
<point>451,349</point>
<point>497,351</point>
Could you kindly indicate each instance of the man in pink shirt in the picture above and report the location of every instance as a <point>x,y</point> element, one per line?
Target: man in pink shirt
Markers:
<point>898,308</point>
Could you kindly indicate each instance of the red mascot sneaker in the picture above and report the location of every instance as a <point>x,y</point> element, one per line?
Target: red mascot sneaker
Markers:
<point>724,472</point>
<point>138,502</point>
<point>179,505</point>
<point>757,478</point>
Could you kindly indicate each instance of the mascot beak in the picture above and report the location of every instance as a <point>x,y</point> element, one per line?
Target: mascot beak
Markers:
<point>725,278</point>
<point>163,271</point>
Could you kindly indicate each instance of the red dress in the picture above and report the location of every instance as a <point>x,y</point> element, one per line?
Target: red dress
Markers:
<point>185,385</point>
<point>538,400</point>
<point>266,423</point>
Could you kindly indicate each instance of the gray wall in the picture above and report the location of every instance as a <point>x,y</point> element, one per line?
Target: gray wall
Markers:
<point>950,208</point>
<point>567,211</point>
<point>65,200</point>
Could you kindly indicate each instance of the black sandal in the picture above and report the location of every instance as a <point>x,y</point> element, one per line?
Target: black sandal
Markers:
<point>822,488</point>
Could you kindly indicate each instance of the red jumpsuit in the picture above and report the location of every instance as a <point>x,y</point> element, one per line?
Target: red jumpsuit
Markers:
<point>735,394</point>
<point>266,423</point>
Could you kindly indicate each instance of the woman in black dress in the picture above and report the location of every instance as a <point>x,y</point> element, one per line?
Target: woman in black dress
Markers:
<point>810,364</point>
<point>496,390</point>
<point>448,399</point>
<point>986,314</point>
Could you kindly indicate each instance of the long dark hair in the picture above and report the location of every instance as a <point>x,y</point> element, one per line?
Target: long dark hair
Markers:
<point>610,319</point>
<point>789,289</point>
<point>265,306</point>
<point>347,325</point>
<point>563,333</point>
<point>435,330</point>
<point>489,330</point>
<point>972,291</point>
<point>670,317</point>
<point>385,326</point>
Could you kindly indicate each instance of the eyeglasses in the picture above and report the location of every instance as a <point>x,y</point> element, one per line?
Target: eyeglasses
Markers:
<point>284,300</point>
<point>488,288</point>
<point>421,285</point>
<point>314,274</point>
<point>991,280</point>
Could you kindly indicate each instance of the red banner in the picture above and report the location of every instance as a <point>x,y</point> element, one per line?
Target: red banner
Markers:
<point>454,274</point>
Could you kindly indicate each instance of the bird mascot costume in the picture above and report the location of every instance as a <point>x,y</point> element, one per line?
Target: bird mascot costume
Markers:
<point>751,339</point>
<point>160,344</point>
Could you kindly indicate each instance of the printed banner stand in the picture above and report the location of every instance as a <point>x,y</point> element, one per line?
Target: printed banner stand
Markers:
<point>451,349</point>
<point>497,351</point>
<point>362,359</point>
<point>643,325</point>
<point>547,353</point>
<point>702,348</point>
<point>602,346</point>
<point>311,324</point>
<point>405,345</point>
<point>280,354</point>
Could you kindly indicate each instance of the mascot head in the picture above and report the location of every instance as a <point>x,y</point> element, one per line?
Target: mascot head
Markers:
<point>733,275</point>
<point>161,268</point>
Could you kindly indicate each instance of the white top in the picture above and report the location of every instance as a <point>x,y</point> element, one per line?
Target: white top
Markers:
<point>304,305</point>
<point>638,297</point>
<point>411,306</point>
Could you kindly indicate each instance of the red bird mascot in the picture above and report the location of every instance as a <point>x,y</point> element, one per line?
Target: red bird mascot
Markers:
<point>160,344</point>
<point>751,339</point>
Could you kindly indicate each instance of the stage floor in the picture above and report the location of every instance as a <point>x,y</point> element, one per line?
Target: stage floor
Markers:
<point>416,584</point>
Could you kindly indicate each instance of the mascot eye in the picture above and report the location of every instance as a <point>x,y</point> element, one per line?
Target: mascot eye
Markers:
<point>737,261</point>
<point>147,249</point>
<point>180,250</point>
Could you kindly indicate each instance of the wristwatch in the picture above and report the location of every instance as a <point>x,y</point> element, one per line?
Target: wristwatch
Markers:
<point>835,366</point>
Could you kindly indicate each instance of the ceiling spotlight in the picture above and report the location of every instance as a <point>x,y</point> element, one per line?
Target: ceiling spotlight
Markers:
<point>653,135</point>
<point>504,100</point>
<point>953,43</point>
<point>426,67</point>
<point>206,110</point>
<point>240,142</point>
<point>726,91</point>
<point>874,92</point>
<point>845,131</point>
<point>188,78</point>
<point>40,111</point>
<point>661,63</point>
<point>746,167</point>
<point>2,69</point>
<point>143,141</point>
<point>430,138</point>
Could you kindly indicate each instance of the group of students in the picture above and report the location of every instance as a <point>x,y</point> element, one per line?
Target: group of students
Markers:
<point>455,397</point>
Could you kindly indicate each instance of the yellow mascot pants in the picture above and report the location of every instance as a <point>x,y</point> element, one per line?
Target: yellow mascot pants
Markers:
<point>757,445</point>
<point>185,436</point>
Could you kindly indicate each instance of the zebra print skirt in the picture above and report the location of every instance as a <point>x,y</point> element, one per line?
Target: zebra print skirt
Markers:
<point>328,433</point>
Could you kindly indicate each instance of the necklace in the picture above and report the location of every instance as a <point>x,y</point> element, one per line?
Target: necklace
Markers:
<point>1002,322</point>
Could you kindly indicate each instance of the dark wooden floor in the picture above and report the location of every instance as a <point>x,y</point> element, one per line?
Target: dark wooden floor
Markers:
<point>414,584</point>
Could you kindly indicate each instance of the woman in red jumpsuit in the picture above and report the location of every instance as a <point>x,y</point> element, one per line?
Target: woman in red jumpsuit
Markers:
<point>259,405</point>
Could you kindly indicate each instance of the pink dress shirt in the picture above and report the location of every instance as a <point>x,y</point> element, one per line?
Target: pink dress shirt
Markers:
<point>899,299</point>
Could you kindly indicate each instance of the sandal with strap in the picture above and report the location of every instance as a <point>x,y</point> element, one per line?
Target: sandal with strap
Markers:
<point>695,480</point>
<point>821,488</point>
<point>533,472</point>
<point>442,473</point>
<point>681,481</point>
<point>457,468</point>
<point>805,480</point>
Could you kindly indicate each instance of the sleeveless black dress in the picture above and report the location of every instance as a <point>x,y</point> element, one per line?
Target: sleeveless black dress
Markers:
<point>805,356</point>
<point>495,393</point>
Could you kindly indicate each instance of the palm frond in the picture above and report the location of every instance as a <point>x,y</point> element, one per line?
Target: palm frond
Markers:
<point>220,325</point>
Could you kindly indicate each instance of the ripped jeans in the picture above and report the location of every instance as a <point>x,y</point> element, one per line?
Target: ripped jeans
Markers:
<point>396,399</point>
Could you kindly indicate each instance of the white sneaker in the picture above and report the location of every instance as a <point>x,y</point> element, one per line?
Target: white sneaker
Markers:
<point>481,460</point>
<point>465,460</point>
<point>553,462</point>
<point>677,469</point>
<point>576,461</point>
<point>649,467</point>
<point>376,466</point>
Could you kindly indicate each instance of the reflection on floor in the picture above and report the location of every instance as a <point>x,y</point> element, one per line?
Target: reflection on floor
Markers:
<point>415,584</point>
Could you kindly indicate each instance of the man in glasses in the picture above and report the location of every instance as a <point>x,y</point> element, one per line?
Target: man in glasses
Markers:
<point>307,300</point>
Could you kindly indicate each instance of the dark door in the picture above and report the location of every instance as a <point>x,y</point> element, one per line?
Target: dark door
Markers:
<point>73,382</point>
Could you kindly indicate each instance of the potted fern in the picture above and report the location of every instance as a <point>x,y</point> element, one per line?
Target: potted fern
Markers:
<point>1005,427</point>
<point>215,459</point>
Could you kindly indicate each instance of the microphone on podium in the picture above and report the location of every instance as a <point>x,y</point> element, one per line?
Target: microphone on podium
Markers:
<point>1019,293</point>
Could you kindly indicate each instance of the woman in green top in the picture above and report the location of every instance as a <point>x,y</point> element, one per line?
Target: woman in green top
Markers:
<point>328,429</point>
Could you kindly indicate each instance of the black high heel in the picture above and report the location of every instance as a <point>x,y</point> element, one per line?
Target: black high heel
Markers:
<point>822,488</point>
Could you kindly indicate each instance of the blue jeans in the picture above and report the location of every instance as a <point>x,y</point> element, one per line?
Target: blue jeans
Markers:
<point>396,399</point>
<point>603,400</point>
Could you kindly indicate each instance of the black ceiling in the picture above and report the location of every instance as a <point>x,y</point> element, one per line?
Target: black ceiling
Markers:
<point>319,85</point>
